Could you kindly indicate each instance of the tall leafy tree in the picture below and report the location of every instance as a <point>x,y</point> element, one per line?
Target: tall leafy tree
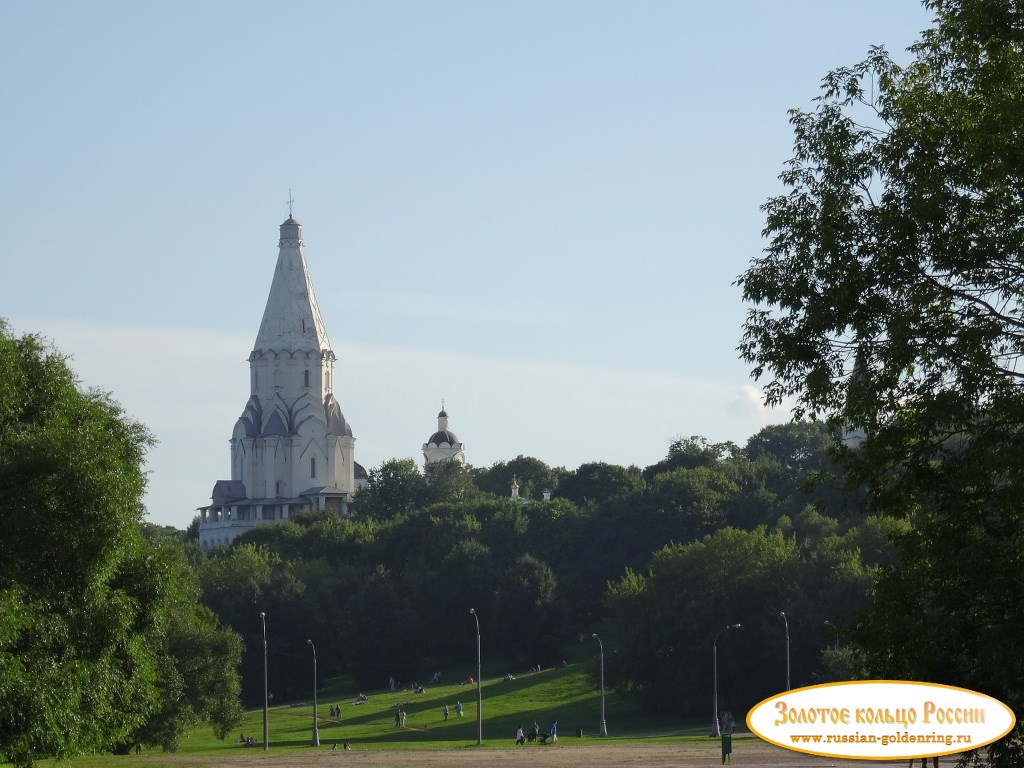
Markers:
<point>533,476</point>
<point>530,621</point>
<point>90,652</point>
<point>690,453</point>
<point>595,482</point>
<point>664,623</point>
<point>240,583</point>
<point>889,300</point>
<point>394,488</point>
<point>382,633</point>
<point>196,659</point>
<point>447,481</point>
<point>73,674</point>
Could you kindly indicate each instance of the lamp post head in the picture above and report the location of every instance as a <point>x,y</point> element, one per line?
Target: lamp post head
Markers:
<point>473,611</point>
<point>594,636</point>
<point>782,614</point>
<point>735,626</point>
<point>263,615</point>
<point>828,623</point>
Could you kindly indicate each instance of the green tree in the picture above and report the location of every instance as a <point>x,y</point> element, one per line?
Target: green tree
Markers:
<point>196,659</point>
<point>889,299</point>
<point>690,453</point>
<point>530,623</point>
<point>394,488</point>
<point>841,664</point>
<point>73,674</point>
<point>696,497</point>
<point>382,632</point>
<point>447,481</point>
<point>88,654</point>
<point>800,446</point>
<point>245,580</point>
<point>595,482</point>
<point>664,623</point>
<point>533,476</point>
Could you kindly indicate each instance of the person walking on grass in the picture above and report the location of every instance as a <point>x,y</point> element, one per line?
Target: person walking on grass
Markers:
<point>446,713</point>
<point>554,732</point>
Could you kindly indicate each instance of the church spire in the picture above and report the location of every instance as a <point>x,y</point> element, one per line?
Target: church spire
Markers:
<point>291,320</point>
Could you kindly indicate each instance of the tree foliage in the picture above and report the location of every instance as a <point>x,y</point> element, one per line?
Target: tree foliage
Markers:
<point>663,624</point>
<point>196,659</point>
<point>396,486</point>
<point>73,674</point>
<point>597,481</point>
<point>388,591</point>
<point>533,476</point>
<point>94,619</point>
<point>889,299</point>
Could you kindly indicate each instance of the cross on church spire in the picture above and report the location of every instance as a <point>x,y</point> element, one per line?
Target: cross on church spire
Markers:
<point>290,201</point>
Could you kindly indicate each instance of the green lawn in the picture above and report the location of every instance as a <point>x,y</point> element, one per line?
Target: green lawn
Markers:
<point>567,694</point>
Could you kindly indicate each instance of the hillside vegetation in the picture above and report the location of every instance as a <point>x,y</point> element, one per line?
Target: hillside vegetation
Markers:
<point>655,561</point>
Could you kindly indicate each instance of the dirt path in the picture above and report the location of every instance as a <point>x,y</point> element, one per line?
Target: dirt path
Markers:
<point>689,755</point>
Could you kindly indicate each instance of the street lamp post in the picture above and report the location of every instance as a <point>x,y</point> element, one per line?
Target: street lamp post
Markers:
<point>266,689</point>
<point>714,646</point>
<point>830,624</point>
<point>786,621</point>
<point>603,730</point>
<point>479,691</point>
<point>316,721</point>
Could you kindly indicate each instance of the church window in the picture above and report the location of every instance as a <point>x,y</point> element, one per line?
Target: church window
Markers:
<point>277,488</point>
<point>312,466</point>
<point>305,379</point>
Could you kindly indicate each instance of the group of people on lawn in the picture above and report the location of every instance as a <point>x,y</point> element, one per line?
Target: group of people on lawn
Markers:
<point>535,734</point>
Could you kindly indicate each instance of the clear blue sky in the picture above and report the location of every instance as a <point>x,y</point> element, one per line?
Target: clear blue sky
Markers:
<point>534,210</point>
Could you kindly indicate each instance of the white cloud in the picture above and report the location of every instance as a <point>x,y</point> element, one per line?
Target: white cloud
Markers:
<point>749,401</point>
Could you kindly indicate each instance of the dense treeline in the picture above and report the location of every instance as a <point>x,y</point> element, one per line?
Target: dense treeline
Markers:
<point>660,558</point>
